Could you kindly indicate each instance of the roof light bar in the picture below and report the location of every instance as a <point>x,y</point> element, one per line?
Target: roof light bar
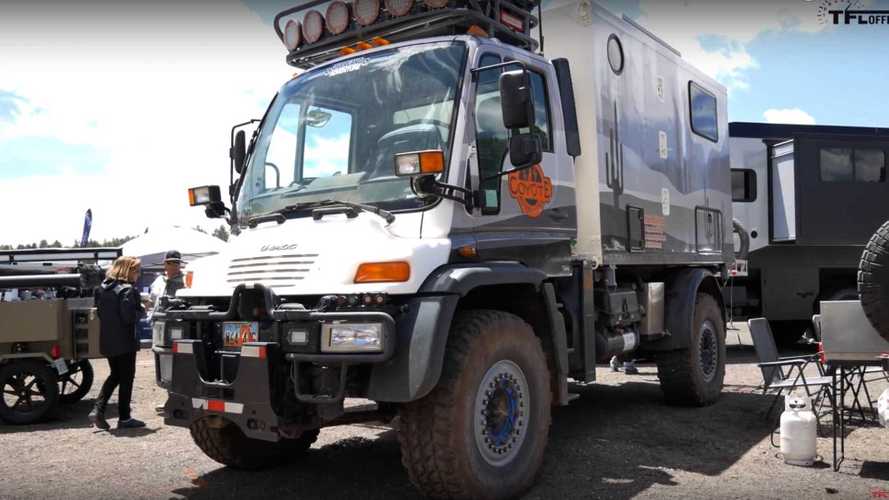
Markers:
<point>367,11</point>
<point>398,8</point>
<point>313,26</point>
<point>337,16</point>
<point>292,34</point>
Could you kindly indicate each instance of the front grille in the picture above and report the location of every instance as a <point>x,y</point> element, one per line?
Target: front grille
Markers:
<point>271,270</point>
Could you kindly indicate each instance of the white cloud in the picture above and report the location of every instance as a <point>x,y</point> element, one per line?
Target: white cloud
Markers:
<point>794,116</point>
<point>713,34</point>
<point>154,88</point>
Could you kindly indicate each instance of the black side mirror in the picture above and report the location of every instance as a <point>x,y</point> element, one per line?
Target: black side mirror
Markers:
<point>238,152</point>
<point>515,99</point>
<point>525,150</point>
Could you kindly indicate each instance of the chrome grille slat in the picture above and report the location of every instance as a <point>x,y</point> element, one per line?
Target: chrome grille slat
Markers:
<point>260,264</point>
<point>247,280</point>
<point>266,271</point>
<point>280,270</point>
<point>266,257</point>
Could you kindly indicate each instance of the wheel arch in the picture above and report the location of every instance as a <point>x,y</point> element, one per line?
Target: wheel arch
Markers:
<point>506,286</point>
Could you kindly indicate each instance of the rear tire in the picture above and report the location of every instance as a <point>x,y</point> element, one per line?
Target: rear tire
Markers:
<point>482,431</point>
<point>29,389</point>
<point>694,376</point>
<point>75,384</point>
<point>873,280</point>
<point>229,446</point>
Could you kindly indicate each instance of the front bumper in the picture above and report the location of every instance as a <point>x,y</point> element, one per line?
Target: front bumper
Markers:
<point>406,370</point>
<point>246,401</point>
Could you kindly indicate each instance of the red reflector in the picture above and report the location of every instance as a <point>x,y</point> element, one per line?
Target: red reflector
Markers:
<point>175,347</point>
<point>217,405</point>
<point>55,352</point>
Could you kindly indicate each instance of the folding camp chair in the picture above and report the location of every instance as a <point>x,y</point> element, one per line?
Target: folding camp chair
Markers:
<point>784,375</point>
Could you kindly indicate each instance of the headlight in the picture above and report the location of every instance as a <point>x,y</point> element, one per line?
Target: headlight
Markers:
<point>176,333</point>
<point>352,337</point>
<point>157,333</point>
<point>297,336</point>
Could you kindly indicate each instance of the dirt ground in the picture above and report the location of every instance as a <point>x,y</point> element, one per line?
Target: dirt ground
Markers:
<point>619,440</point>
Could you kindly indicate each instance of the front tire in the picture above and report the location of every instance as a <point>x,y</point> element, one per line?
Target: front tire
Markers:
<point>229,446</point>
<point>482,432</point>
<point>29,391</point>
<point>694,376</point>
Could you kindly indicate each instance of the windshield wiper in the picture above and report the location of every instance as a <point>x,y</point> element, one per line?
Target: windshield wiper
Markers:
<point>330,208</point>
<point>280,215</point>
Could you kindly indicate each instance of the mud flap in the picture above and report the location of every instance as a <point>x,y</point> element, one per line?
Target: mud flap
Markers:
<point>245,402</point>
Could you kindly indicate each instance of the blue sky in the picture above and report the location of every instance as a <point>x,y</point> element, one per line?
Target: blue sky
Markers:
<point>139,100</point>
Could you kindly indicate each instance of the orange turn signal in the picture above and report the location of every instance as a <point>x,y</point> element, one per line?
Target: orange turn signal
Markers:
<point>383,272</point>
<point>189,279</point>
<point>420,162</point>
<point>203,195</point>
<point>347,50</point>
<point>379,41</point>
<point>363,45</point>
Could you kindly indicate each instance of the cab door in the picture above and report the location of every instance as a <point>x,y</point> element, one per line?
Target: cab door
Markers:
<point>526,215</point>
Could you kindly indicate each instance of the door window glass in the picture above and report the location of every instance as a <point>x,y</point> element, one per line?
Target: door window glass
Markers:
<point>491,136</point>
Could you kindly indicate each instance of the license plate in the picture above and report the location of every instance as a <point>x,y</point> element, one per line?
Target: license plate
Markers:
<point>61,366</point>
<point>237,334</point>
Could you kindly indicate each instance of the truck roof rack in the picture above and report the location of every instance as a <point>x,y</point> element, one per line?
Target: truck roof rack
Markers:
<point>510,21</point>
<point>59,254</point>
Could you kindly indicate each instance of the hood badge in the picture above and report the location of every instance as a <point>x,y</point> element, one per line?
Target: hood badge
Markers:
<point>277,248</point>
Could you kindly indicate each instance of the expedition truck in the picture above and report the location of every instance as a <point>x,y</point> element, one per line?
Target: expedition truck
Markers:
<point>436,217</point>
<point>787,182</point>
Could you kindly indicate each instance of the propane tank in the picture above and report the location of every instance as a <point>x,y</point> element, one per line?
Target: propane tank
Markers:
<point>798,431</point>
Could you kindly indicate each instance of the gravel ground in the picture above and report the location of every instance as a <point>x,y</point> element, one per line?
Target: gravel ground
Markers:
<point>618,440</point>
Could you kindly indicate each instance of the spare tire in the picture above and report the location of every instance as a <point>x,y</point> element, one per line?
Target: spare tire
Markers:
<point>873,280</point>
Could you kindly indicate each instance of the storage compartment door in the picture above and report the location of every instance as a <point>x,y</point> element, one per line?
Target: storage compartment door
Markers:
<point>783,193</point>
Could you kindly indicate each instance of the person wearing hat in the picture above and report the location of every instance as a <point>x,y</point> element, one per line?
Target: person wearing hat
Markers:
<point>167,284</point>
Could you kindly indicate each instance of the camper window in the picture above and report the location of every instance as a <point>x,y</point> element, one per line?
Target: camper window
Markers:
<point>702,105</point>
<point>743,185</point>
<point>852,165</point>
<point>615,54</point>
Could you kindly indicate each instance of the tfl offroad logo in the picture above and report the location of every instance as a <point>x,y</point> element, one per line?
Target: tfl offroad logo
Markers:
<point>531,189</point>
<point>845,12</point>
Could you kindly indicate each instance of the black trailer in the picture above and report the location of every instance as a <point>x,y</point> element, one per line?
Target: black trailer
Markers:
<point>809,197</point>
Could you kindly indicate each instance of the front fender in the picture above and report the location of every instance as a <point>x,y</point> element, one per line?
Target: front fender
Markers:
<point>422,332</point>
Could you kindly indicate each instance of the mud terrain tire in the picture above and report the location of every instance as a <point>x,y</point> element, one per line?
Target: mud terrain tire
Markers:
<point>694,376</point>
<point>482,431</point>
<point>873,280</point>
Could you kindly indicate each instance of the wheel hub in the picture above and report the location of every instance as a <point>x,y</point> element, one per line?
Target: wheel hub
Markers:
<point>708,350</point>
<point>501,409</point>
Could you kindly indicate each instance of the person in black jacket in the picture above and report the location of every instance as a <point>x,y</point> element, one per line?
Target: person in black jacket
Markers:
<point>119,307</point>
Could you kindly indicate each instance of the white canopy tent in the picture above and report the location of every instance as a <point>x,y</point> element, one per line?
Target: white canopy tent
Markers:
<point>152,246</point>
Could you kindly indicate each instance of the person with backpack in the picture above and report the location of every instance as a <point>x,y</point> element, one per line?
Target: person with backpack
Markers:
<point>119,306</point>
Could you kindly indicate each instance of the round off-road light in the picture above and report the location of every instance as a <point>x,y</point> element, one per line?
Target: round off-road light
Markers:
<point>337,16</point>
<point>436,4</point>
<point>313,26</point>
<point>292,34</point>
<point>398,8</point>
<point>366,11</point>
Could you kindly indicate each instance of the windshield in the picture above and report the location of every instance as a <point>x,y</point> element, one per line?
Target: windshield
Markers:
<point>331,134</point>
